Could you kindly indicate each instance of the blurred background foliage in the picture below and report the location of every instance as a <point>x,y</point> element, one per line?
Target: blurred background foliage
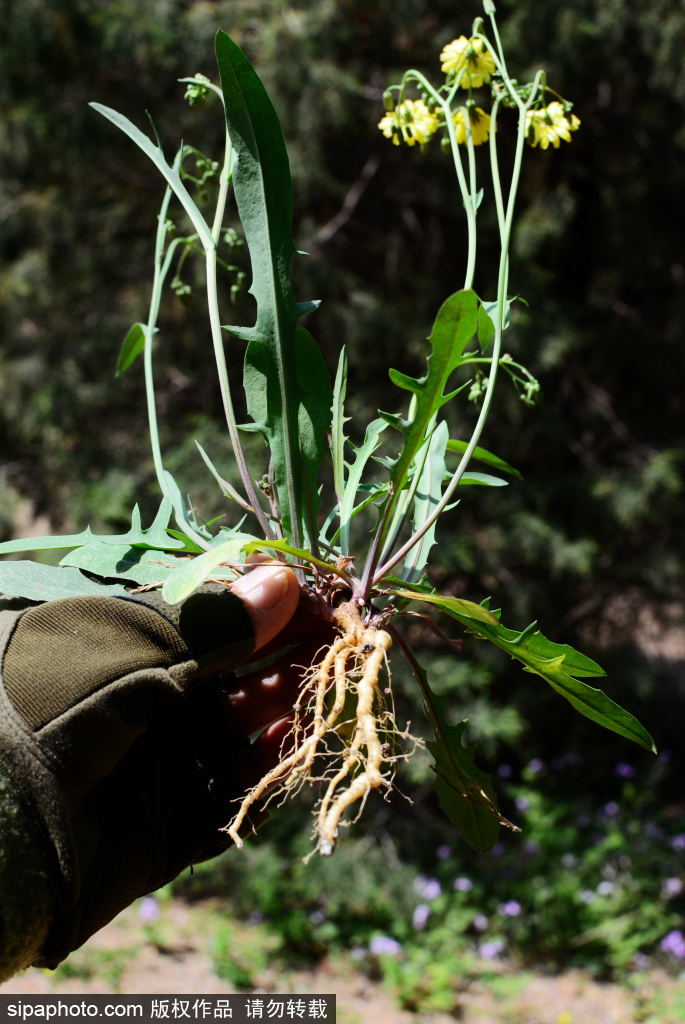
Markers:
<point>592,542</point>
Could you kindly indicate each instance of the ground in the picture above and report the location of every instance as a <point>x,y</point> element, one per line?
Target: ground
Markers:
<point>171,947</point>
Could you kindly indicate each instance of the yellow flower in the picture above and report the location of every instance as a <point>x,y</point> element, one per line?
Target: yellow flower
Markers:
<point>480,125</point>
<point>412,120</point>
<point>471,55</point>
<point>551,124</point>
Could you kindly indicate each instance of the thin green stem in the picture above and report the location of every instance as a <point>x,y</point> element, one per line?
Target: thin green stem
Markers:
<point>494,165</point>
<point>494,362</point>
<point>218,343</point>
<point>160,272</point>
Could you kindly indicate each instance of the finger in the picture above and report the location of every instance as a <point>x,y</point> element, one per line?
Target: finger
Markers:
<point>303,627</point>
<point>258,698</point>
<point>271,595</point>
<point>274,744</point>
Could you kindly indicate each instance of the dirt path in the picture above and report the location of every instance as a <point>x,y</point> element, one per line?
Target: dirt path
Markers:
<point>176,953</point>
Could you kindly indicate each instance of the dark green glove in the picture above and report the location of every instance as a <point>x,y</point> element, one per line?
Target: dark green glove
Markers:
<point>114,731</point>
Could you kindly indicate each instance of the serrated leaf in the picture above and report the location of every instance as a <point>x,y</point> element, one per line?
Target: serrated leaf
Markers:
<point>558,664</point>
<point>49,583</point>
<point>465,793</point>
<point>428,495</point>
<point>483,455</point>
<point>190,576</point>
<point>156,536</point>
<point>454,327</point>
<point>338,425</point>
<point>354,475</point>
<point>286,381</point>
<point>170,173</point>
<point>122,561</point>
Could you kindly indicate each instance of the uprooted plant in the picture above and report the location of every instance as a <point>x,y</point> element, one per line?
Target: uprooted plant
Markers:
<point>344,736</point>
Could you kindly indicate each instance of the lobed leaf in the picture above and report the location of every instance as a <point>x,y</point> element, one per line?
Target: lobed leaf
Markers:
<point>558,664</point>
<point>156,537</point>
<point>286,380</point>
<point>38,582</point>
<point>465,793</point>
<point>428,495</point>
<point>455,325</point>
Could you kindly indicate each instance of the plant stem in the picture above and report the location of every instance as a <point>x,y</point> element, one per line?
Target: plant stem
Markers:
<point>160,273</point>
<point>494,362</point>
<point>218,342</point>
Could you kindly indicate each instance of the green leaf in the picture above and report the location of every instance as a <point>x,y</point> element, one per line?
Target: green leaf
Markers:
<point>338,425</point>
<point>48,582</point>
<point>483,455</point>
<point>558,664</point>
<point>156,537</point>
<point>482,479</point>
<point>132,346</point>
<point>122,561</point>
<point>188,577</point>
<point>428,495</point>
<point>170,173</point>
<point>465,793</point>
<point>355,471</point>
<point>486,329</point>
<point>286,381</point>
<point>455,325</point>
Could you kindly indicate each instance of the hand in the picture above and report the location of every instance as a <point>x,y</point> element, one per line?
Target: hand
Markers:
<point>132,763</point>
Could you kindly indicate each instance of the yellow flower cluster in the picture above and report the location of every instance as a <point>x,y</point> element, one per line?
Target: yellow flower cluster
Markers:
<point>411,120</point>
<point>551,124</point>
<point>472,56</point>
<point>480,125</point>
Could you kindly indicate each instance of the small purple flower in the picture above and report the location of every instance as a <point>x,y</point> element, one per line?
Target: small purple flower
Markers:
<point>256,917</point>
<point>673,887</point>
<point>443,852</point>
<point>357,952</point>
<point>497,850</point>
<point>384,945</point>
<point>678,842</point>
<point>463,884</point>
<point>429,888</point>
<point>587,896</point>
<point>489,950</point>
<point>480,922</point>
<point>569,861</point>
<point>653,831</point>
<point>522,803</point>
<point>421,915</point>
<point>625,771</point>
<point>611,809</point>
<point>512,908</point>
<point>641,962</point>
<point>317,917</point>
<point>531,846</point>
<point>605,888</point>
<point>674,943</point>
<point>536,765</point>
<point>148,909</point>
<point>504,771</point>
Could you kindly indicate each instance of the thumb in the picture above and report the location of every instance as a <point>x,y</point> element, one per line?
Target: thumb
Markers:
<point>270,594</point>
